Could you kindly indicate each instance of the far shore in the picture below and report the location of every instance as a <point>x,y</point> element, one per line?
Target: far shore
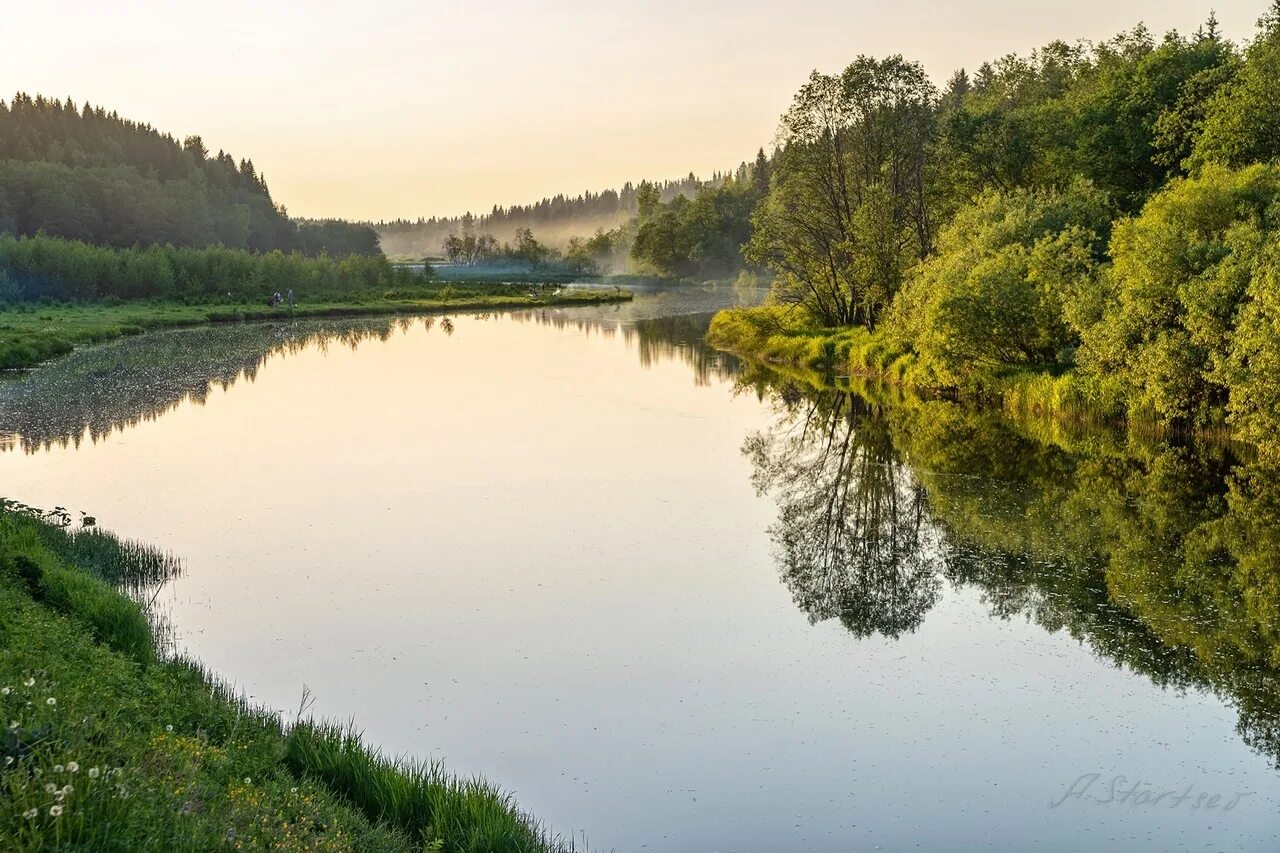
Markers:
<point>31,334</point>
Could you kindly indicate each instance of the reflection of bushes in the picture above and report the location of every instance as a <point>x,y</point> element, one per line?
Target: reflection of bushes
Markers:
<point>1164,558</point>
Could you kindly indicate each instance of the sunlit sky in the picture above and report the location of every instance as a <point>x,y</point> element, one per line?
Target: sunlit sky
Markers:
<point>386,108</point>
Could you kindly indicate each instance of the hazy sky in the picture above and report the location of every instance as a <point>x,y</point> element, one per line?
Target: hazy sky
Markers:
<point>384,108</point>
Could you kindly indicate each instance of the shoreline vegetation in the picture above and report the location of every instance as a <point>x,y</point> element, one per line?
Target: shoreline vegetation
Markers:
<point>1090,232</point>
<point>784,340</point>
<point>34,334</point>
<point>58,294</point>
<point>110,744</point>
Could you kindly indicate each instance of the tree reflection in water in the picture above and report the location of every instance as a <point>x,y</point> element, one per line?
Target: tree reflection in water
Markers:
<point>96,391</point>
<point>1162,558</point>
<point>853,534</point>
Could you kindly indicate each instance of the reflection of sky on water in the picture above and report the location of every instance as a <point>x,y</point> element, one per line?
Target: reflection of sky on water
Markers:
<point>114,387</point>
<point>535,551</point>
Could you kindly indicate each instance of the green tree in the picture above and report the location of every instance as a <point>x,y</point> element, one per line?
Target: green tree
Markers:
<point>848,209</point>
<point>1180,275</point>
<point>998,289</point>
<point>1241,124</point>
<point>1252,369</point>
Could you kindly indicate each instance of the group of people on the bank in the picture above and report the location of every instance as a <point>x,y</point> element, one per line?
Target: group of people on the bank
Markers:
<point>276,300</point>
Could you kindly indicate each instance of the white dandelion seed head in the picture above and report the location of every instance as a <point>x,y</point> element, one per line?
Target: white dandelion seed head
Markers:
<point>8,759</point>
<point>248,781</point>
<point>58,768</point>
<point>73,767</point>
<point>50,788</point>
<point>30,682</point>
<point>30,814</point>
<point>6,690</point>
<point>51,701</point>
<point>54,811</point>
<point>93,773</point>
<point>168,728</point>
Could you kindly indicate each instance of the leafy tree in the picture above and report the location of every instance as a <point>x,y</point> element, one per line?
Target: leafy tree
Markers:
<point>1252,368</point>
<point>848,210</point>
<point>526,249</point>
<point>1121,114</point>
<point>1241,122</point>
<point>1115,113</point>
<point>703,236</point>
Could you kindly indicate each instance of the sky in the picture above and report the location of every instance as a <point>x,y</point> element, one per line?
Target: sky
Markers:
<point>386,109</point>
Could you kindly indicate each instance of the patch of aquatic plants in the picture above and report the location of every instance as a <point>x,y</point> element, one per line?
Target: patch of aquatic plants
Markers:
<point>130,381</point>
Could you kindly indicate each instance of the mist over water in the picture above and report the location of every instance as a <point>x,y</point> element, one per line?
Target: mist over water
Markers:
<point>674,602</point>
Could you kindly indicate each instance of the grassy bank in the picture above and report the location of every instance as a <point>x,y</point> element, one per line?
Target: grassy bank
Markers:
<point>109,746</point>
<point>784,337</point>
<point>32,333</point>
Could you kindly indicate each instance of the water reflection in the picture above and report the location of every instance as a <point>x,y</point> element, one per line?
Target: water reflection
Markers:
<point>854,536</point>
<point>100,390</point>
<point>680,338</point>
<point>1164,559</point>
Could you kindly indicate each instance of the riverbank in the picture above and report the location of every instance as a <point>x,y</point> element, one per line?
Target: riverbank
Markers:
<point>779,337</point>
<point>34,333</point>
<point>110,745</point>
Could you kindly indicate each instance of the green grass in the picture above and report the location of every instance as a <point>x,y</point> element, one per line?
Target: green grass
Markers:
<point>107,746</point>
<point>31,334</point>
<point>785,336</point>
<point>465,815</point>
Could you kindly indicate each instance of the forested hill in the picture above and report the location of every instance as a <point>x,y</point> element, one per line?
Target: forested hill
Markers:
<point>554,220</point>
<point>87,174</point>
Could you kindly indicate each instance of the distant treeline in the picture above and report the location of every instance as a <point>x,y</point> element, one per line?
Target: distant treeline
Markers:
<point>554,220</point>
<point>680,229</point>
<point>700,237</point>
<point>85,174</point>
<point>49,268</point>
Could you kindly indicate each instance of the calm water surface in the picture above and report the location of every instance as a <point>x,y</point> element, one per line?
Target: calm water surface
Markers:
<point>673,605</point>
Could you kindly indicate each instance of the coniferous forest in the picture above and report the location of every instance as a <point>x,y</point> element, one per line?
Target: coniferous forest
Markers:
<point>82,173</point>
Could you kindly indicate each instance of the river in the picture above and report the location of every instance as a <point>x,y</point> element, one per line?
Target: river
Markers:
<point>675,603</point>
